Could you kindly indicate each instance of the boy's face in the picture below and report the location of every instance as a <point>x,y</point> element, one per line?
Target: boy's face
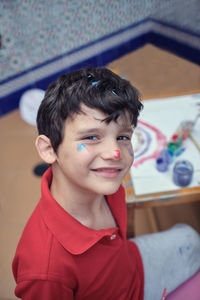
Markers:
<point>87,158</point>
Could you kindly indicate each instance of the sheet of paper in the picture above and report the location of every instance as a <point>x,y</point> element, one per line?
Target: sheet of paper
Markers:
<point>158,121</point>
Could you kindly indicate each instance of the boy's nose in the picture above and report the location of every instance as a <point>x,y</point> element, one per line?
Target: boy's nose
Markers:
<point>113,154</point>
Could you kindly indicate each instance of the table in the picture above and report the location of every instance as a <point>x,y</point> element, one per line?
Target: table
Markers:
<point>167,194</point>
<point>149,201</point>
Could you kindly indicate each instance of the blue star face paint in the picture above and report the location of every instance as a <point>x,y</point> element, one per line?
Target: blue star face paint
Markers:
<point>81,147</point>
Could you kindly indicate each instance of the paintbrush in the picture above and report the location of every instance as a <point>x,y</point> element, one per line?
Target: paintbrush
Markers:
<point>164,293</point>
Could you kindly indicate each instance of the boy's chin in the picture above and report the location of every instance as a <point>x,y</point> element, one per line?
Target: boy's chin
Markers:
<point>110,190</point>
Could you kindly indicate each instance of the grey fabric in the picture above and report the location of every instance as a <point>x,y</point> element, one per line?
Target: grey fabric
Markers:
<point>169,258</point>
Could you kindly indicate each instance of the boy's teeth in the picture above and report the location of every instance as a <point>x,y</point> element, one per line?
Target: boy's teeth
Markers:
<point>108,170</point>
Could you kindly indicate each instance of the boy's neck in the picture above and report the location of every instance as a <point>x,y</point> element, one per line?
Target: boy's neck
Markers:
<point>89,209</point>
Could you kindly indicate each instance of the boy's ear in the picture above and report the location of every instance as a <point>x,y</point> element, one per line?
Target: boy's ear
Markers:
<point>45,149</point>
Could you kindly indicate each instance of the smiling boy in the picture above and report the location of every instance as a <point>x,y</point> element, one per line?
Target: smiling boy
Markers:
<point>74,245</point>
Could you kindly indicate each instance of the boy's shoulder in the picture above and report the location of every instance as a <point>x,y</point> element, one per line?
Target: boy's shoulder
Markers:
<point>35,236</point>
<point>38,252</point>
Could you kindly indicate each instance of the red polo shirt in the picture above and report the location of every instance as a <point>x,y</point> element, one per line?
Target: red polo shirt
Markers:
<point>59,258</point>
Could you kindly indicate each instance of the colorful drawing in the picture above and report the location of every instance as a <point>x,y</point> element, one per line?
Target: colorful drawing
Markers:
<point>147,143</point>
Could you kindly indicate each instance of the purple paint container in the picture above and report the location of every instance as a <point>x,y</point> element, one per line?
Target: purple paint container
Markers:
<point>183,173</point>
<point>163,161</point>
<point>161,164</point>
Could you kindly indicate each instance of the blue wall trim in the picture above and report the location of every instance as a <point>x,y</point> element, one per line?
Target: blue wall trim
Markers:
<point>175,47</point>
<point>147,31</point>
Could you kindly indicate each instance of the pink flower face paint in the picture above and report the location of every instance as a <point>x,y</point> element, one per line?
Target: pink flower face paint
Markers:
<point>81,147</point>
<point>117,154</point>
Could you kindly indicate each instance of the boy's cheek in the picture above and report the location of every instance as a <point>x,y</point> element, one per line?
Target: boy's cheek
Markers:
<point>84,153</point>
<point>83,150</point>
<point>129,151</point>
<point>130,164</point>
<point>130,157</point>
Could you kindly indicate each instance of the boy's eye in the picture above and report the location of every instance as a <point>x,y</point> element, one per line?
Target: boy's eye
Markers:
<point>123,138</point>
<point>91,138</point>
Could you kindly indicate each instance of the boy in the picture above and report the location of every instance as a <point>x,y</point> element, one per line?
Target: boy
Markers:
<point>74,245</point>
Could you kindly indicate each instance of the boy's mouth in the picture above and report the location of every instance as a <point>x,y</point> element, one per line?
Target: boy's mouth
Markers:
<point>107,172</point>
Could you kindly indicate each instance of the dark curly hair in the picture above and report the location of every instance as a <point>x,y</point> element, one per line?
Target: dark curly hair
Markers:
<point>97,88</point>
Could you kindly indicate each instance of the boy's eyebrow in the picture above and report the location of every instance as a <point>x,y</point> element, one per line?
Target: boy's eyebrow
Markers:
<point>89,130</point>
<point>128,129</point>
<point>92,130</point>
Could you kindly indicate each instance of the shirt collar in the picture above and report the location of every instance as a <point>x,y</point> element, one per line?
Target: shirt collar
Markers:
<point>75,237</point>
